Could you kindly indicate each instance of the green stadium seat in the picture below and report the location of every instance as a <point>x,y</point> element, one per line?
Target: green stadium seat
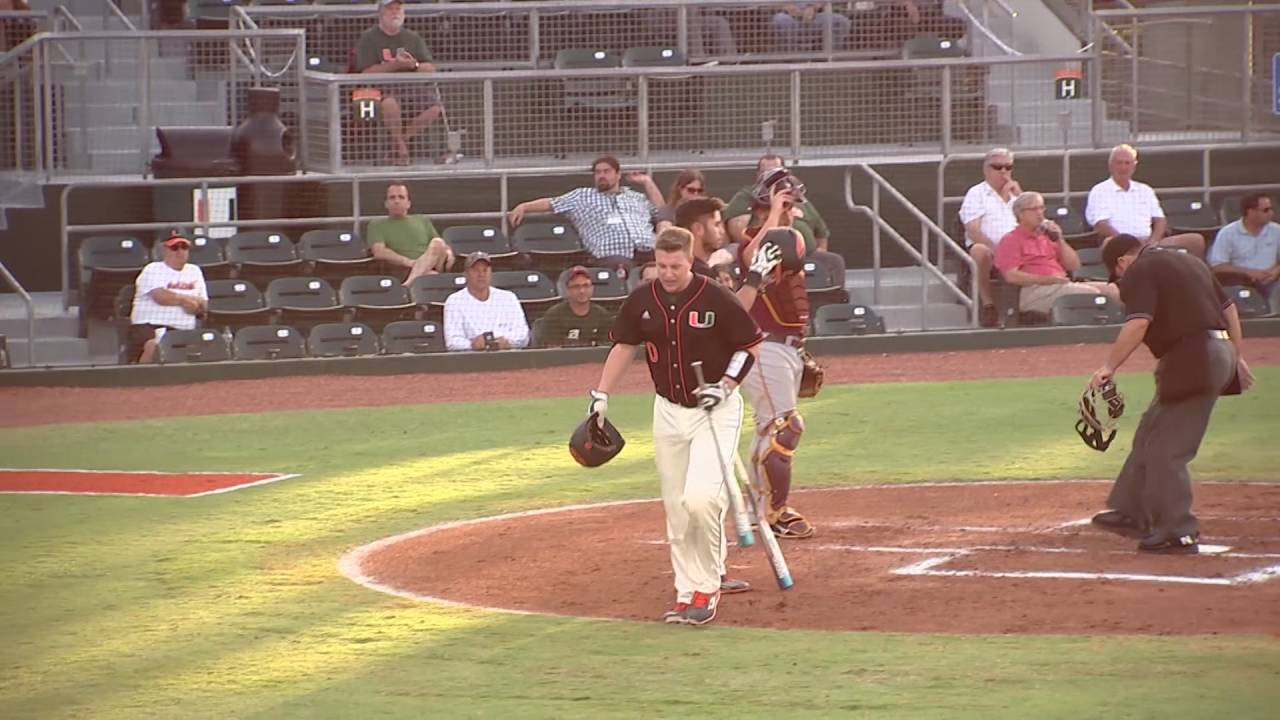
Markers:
<point>1086,310</point>
<point>268,342</point>
<point>846,319</point>
<point>192,346</point>
<point>413,336</point>
<point>342,340</point>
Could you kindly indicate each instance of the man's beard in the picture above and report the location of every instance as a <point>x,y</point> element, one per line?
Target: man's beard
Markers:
<point>605,186</point>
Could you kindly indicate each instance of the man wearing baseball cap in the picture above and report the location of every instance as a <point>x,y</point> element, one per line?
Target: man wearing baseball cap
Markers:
<point>168,295</point>
<point>408,108</point>
<point>576,321</point>
<point>483,317</point>
<point>1174,305</point>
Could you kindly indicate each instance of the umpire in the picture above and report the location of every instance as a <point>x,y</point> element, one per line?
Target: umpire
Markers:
<point>1179,310</point>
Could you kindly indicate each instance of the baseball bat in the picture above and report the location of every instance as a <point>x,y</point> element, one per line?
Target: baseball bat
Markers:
<point>780,570</point>
<point>737,506</point>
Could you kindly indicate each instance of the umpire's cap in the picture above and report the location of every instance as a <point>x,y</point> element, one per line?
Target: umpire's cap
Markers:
<point>593,444</point>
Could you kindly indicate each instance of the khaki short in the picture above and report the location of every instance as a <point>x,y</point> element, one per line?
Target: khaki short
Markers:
<point>1040,298</point>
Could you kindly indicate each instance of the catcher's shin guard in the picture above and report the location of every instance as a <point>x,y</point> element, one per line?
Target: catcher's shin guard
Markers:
<point>772,459</point>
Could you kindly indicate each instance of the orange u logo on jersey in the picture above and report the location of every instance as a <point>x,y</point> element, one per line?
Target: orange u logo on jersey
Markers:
<point>702,320</point>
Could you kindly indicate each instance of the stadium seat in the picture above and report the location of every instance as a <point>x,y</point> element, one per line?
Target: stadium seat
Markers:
<point>430,291</point>
<point>929,45</point>
<point>336,254</point>
<point>550,246</point>
<point>304,302</point>
<point>846,319</point>
<point>192,346</point>
<point>1074,229</point>
<point>234,304</point>
<point>466,239</point>
<point>342,340</point>
<point>121,313</point>
<point>107,263</point>
<point>609,287</point>
<point>413,336</point>
<point>1091,267</point>
<point>376,299</point>
<point>1086,310</point>
<point>1229,208</point>
<point>824,288</point>
<point>594,106</point>
<point>262,256</point>
<point>653,56</point>
<point>1190,214</point>
<point>534,290</point>
<point>268,342</point>
<point>1249,302</point>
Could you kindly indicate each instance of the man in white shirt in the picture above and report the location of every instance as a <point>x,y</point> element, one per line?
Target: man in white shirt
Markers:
<point>482,317</point>
<point>1121,204</point>
<point>168,295</point>
<point>988,216</point>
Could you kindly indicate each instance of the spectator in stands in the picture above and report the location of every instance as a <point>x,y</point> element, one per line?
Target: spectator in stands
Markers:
<point>407,241</point>
<point>800,26</point>
<point>987,214</point>
<point>805,219</point>
<point>725,274</point>
<point>614,222</point>
<point>483,317</point>
<point>1035,257</point>
<point>688,184</point>
<point>701,217</point>
<point>389,47</point>
<point>14,30</point>
<point>1247,251</point>
<point>576,321</point>
<point>1121,204</point>
<point>893,23</point>
<point>710,34</point>
<point>168,295</point>
<point>648,272</point>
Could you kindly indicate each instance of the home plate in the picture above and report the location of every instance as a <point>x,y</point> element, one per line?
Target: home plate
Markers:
<point>1213,549</point>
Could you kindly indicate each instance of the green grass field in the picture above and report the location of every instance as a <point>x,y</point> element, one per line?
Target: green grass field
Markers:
<point>231,605</point>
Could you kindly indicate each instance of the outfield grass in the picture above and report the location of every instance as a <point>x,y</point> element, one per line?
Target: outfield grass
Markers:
<point>231,606</point>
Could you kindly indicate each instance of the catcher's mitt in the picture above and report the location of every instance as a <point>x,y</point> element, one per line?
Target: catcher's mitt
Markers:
<point>1100,408</point>
<point>812,377</point>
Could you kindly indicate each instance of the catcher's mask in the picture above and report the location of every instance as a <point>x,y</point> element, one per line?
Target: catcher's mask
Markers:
<point>593,445</point>
<point>1097,431</point>
<point>782,179</point>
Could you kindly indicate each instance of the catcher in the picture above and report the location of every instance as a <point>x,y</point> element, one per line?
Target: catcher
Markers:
<point>784,371</point>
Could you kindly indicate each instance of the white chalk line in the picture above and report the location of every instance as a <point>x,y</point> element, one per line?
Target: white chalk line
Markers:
<point>273,478</point>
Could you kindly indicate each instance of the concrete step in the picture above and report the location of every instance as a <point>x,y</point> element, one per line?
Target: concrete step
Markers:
<point>49,351</point>
<point>121,92</point>
<point>210,112</point>
<point>98,139</point>
<point>46,327</point>
<point>937,316</point>
<point>119,69</point>
<point>899,294</point>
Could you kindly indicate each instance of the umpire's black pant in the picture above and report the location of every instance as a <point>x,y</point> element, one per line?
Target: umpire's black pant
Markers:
<point>1154,486</point>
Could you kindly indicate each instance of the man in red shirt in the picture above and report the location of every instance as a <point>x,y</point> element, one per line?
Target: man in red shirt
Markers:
<point>1035,257</point>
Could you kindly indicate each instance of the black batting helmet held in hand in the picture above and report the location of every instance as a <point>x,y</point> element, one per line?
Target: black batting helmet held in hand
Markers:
<point>592,444</point>
<point>1100,408</point>
<point>773,181</point>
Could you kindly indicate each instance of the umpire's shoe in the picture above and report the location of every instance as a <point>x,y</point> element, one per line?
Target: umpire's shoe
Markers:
<point>1180,545</point>
<point>1118,523</point>
<point>700,611</point>
<point>791,525</point>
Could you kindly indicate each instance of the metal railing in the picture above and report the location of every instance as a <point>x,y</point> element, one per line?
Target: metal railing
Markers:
<point>88,102</point>
<point>935,245</point>
<point>13,283</point>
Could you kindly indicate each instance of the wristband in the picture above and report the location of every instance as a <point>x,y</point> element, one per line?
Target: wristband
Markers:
<point>754,279</point>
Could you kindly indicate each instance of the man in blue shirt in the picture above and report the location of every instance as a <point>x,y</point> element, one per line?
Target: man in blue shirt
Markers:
<point>1248,250</point>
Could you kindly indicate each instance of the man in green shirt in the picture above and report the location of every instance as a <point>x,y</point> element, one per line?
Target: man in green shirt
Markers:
<point>805,219</point>
<point>389,47</point>
<point>407,241</point>
<point>575,321</point>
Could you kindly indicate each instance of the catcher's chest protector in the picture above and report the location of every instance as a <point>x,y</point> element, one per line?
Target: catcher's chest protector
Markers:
<point>788,301</point>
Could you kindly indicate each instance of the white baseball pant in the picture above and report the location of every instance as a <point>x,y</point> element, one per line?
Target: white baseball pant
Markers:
<point>693,491</point>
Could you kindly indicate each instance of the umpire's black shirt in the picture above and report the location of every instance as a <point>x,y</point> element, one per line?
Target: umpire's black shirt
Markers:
<point>1177,292</point>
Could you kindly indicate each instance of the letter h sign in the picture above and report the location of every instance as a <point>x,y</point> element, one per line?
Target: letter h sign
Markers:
<point>1068,85</point>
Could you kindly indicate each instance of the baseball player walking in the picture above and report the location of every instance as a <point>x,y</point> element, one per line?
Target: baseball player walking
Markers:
<point>781,309</point>
<point>1179,310</point>
<point>681,318</point>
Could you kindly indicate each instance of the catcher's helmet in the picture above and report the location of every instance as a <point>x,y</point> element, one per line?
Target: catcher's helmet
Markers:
<point>783,180</point>
<point>1097,431</point>
<point>791,243</point>
<point>592,444</point>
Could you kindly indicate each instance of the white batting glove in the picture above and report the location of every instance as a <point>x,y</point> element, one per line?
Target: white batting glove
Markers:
<point>767,257</point>
<point>599,405</point>
<point>711,395</point>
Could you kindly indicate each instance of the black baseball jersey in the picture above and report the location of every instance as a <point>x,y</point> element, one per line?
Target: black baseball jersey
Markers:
<point>702,322</point>
<point>1176,292</point>
<point>701,267</point>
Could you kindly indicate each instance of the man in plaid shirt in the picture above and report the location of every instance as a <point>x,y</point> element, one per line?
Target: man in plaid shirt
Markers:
<point>614,221</point>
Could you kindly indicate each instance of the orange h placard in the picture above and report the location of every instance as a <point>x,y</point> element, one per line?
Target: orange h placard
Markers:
<point>1068,84</point>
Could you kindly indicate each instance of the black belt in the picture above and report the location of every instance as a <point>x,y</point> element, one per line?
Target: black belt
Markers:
<point>795,341</point>
<point>1219,335</point>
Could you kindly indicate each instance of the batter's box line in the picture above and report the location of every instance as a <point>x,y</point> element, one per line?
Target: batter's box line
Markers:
<point>933,566</point>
